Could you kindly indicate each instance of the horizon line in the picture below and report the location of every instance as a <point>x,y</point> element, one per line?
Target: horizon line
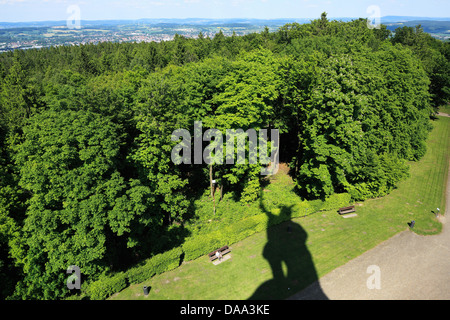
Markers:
<point>235,18</point>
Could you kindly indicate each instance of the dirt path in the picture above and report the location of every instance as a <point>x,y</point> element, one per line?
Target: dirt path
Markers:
<point>410,267</point>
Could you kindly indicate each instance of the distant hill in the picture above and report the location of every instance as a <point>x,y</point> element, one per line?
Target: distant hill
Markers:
<point>190,21</point>
<point>390,19</point>
<point>432,25</point>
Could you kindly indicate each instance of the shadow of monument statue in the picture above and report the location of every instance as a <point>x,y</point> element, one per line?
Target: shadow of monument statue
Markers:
<point>289,259</point>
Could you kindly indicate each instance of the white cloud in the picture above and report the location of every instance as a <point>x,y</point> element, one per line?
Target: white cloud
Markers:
<point>12,1</point>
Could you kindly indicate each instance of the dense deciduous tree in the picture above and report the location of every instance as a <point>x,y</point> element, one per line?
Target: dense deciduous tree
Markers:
<point>86,134</point>
<point>80,208</point>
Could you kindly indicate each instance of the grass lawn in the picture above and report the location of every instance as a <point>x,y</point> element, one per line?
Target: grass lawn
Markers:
<point>276,264</point>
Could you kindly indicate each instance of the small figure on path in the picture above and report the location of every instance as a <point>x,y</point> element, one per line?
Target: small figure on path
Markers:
<point>437,213</point>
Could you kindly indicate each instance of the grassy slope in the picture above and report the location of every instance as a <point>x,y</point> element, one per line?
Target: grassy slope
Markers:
<point>317,244</point>
<point>444,109</point>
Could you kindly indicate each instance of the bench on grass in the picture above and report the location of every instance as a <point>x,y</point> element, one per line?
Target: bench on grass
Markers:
<point>347,210</point>
<point>223,251</point>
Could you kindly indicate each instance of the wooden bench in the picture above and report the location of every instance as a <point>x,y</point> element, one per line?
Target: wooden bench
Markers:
<point>223,251</point>
<point>347,210</point>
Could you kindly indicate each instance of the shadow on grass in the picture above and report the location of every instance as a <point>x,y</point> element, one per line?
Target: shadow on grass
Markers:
<point>289,259</point>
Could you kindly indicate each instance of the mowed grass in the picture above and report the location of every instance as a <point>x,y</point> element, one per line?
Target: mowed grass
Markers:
<point>445,109</point>
<point>276,264</point>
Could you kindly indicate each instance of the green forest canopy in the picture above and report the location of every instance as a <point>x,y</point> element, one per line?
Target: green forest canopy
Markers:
<point>85,149</point>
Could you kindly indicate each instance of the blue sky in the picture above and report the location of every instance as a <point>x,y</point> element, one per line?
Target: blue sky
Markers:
<point>41,10</point>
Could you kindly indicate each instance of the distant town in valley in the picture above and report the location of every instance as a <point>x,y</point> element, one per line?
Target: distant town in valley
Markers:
<point>32,35</point>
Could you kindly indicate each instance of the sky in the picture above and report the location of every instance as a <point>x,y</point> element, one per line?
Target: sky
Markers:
<point>44,10</point>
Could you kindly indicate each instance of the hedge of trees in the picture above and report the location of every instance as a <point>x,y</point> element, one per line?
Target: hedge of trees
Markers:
<point>85,149</point>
